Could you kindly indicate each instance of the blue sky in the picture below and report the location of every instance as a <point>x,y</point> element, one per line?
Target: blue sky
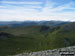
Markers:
<point>20,10</point>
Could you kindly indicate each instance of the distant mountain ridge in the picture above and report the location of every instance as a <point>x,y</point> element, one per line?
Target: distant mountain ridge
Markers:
<point>33,23</point>
<point>6,23</point>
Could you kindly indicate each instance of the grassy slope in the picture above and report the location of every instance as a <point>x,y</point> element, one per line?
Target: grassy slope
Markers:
<point>25,39</point>
<point>63,37</point>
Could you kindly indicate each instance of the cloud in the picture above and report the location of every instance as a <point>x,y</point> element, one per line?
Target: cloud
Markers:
<point>50,8</point>
<point>2,6</point>
<point>16,2</point>
<point>65,6</point>
<point>21,4</point>
<point>48,12</point>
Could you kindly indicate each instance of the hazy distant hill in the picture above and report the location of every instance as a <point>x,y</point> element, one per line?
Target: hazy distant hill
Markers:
<point>35,38</point>
<point>6,23</point>
<point>32,23</point>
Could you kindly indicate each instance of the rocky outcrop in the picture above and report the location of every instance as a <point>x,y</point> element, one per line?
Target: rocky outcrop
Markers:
<point>55,52</point>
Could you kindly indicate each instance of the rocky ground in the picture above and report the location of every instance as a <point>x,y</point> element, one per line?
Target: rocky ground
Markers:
<point>54,52</point>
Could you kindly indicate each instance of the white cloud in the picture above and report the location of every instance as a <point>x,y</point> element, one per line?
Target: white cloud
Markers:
<point>2,6</point>
<point>25,5</point>
<point>49,8</point>
<point>65,6</point>
<point>29,13</point>
<point>24,2</point>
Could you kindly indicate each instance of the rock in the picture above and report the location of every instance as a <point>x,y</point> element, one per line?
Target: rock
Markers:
<point>54,52</point>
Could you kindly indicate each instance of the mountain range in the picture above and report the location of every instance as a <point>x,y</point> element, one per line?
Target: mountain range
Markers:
<point>31,23</point>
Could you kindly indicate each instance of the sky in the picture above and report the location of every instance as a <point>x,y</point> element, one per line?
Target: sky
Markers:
<point>36,10</point>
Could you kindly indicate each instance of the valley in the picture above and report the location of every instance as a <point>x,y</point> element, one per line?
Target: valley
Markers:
<point>16,40</point>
